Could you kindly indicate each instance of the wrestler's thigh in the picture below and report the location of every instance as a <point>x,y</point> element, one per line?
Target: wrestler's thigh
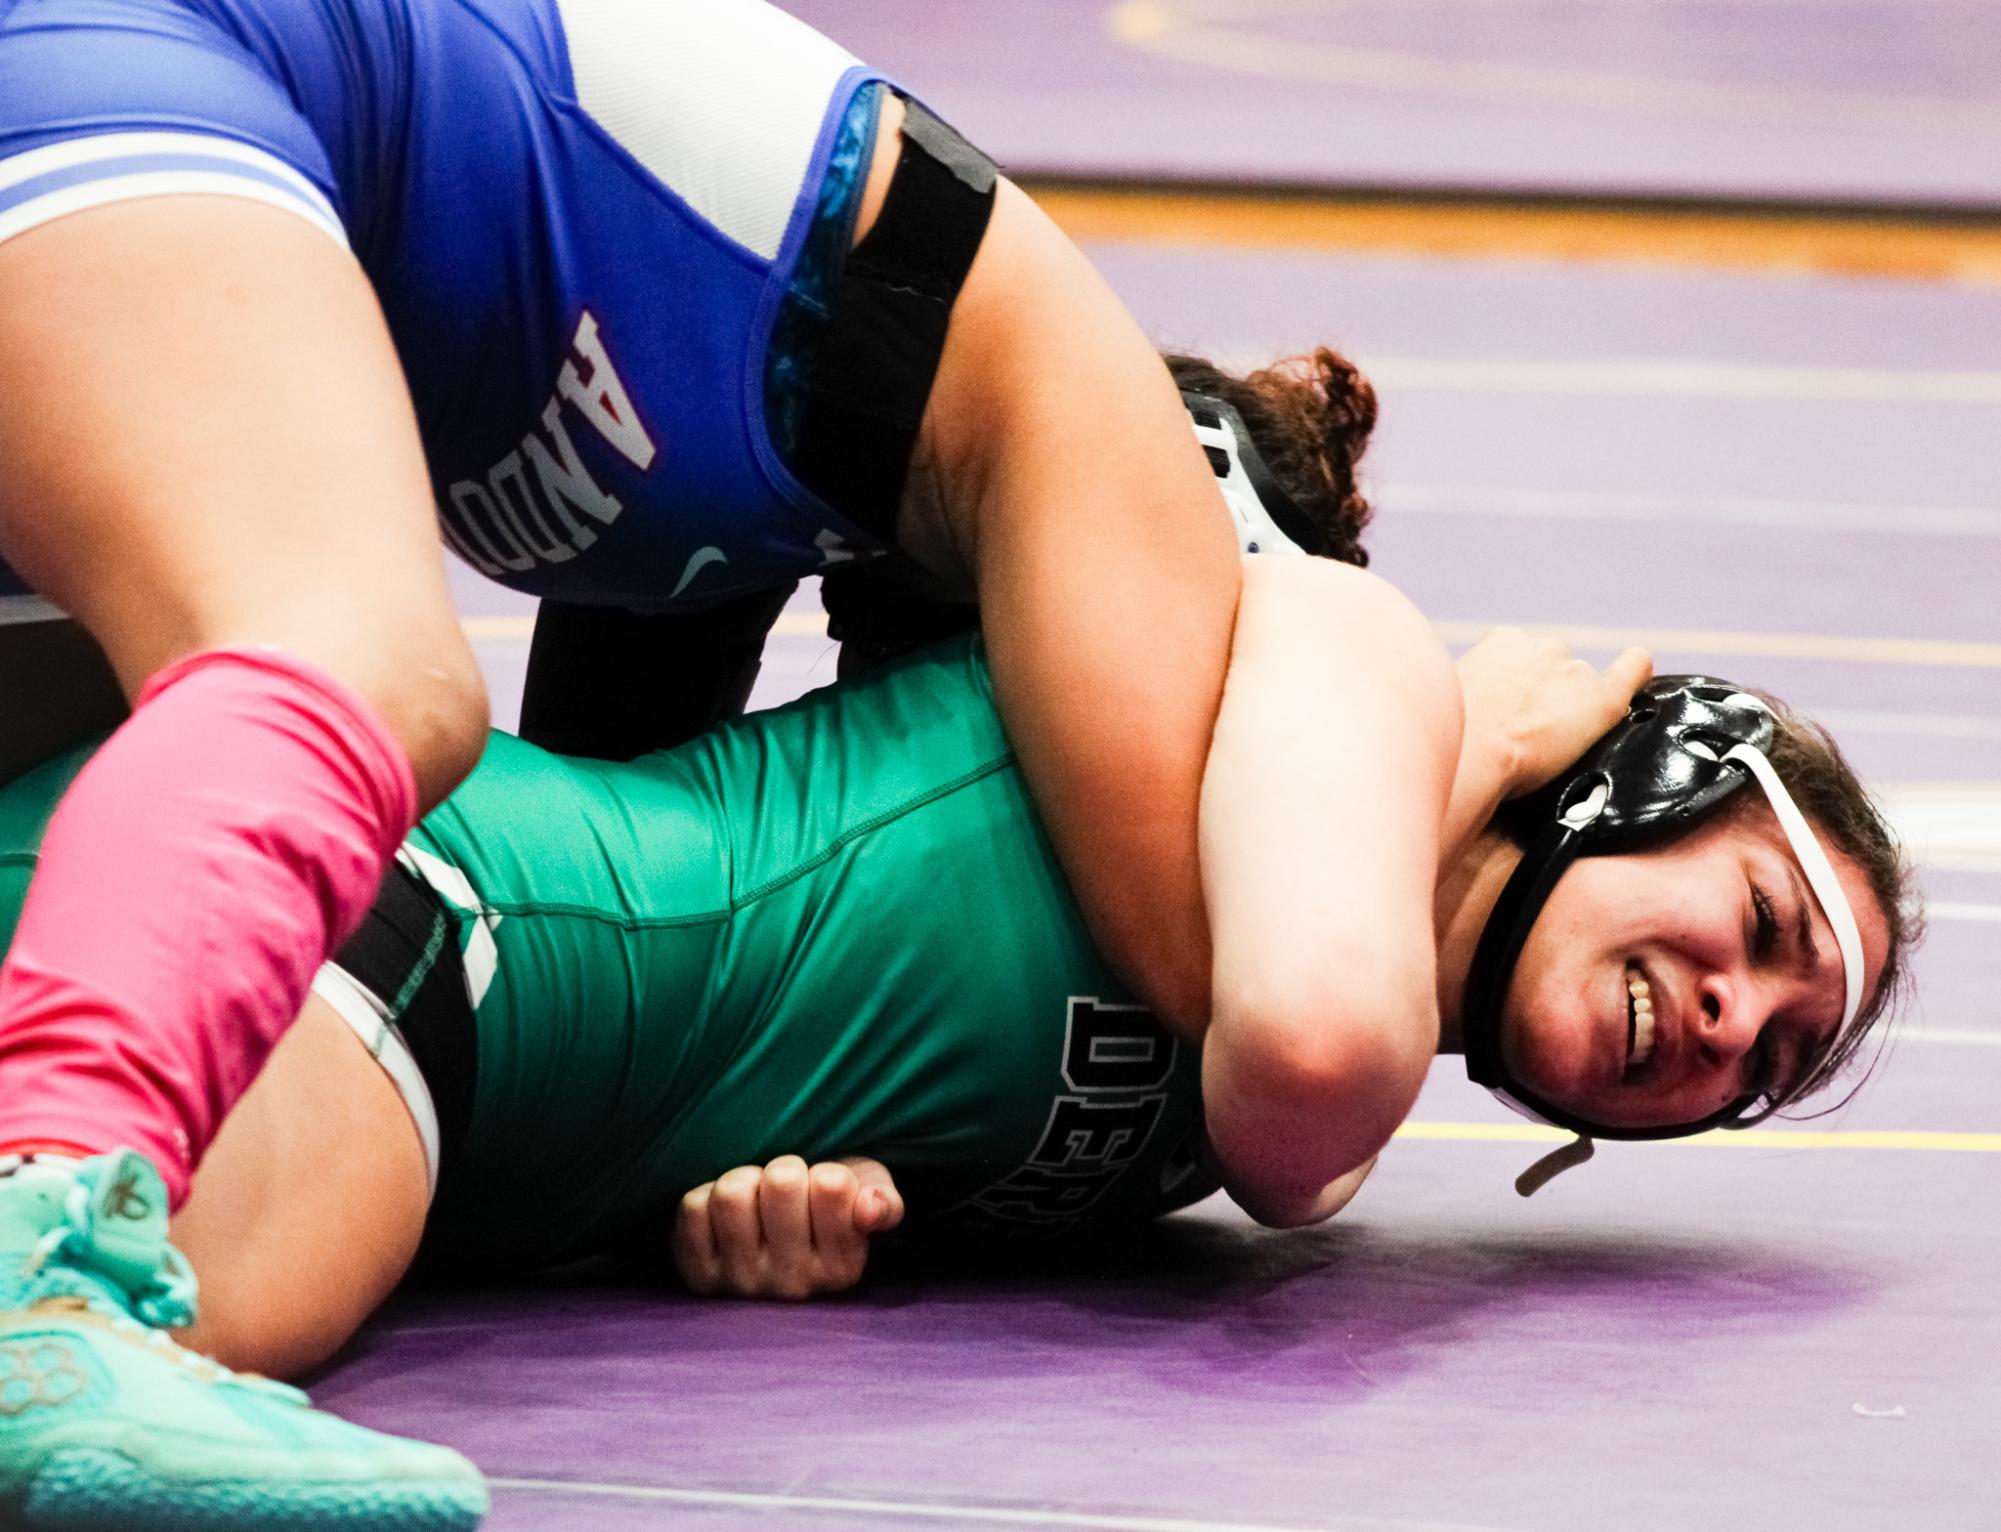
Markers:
<point>307,1210</point>
<point>202,469</point>
<point>207,438</point>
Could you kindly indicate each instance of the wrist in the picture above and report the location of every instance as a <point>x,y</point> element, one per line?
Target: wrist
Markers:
<point>1481,782</point>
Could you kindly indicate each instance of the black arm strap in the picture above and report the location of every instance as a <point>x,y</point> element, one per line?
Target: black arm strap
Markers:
<point>874,366</point>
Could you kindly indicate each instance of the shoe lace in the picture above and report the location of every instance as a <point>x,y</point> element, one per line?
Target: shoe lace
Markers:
<point>166,1303</point>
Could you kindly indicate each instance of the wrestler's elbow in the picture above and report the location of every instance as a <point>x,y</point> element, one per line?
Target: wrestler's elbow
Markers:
<point>1357,1080</point>
<point>1302,1086</point>
<point>1351,1023</point>
<point>1302,1212</point>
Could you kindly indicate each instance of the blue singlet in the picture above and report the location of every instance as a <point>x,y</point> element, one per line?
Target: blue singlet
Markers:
<point>582,219</point>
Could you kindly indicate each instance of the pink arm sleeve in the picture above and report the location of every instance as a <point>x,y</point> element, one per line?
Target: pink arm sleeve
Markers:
<point>199,870</point>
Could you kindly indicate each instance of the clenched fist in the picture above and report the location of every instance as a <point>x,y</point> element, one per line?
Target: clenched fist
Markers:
<point>784,1230</point>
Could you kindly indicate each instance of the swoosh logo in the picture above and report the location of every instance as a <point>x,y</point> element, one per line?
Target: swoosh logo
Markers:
<point>702,559</point>
<point>1172,1175</point>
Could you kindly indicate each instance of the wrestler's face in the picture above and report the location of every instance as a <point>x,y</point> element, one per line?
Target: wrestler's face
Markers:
<point>1721,935</point>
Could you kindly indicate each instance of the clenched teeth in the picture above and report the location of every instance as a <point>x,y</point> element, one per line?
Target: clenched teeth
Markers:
<point>1639,1019</point>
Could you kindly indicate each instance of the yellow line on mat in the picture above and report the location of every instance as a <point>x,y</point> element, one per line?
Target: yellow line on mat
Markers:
<point>1750,1138</point>
<point>1964,654</point>
<point>1886,246</point>
<point>1798,646</point>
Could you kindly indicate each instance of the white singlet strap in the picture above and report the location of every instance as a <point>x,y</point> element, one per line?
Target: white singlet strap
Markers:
<point>364,1012</point>
<point>19,609</point>
<point>42,184</point>
<point>724,102</point>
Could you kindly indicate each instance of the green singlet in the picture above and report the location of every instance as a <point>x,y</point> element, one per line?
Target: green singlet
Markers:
<point>833,928</point>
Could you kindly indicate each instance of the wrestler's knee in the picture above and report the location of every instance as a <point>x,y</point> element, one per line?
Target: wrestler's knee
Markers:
<point>249,1333</point>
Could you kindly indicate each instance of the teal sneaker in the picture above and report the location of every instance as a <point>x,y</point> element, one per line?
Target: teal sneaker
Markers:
<point>106,1424</point>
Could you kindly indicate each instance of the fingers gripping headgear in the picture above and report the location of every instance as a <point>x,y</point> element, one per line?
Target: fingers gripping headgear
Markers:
<point>1266,519</point>
<point>1686,744</point>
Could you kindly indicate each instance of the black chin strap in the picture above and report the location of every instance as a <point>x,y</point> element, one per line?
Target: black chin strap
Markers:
<point>1500,946</point>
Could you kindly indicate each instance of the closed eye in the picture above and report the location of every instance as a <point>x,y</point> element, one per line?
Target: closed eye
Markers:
<point>1765,925</point>
<point>1763,1065</point>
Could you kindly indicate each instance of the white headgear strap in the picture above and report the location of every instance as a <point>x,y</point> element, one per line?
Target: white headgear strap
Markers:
<point>1256,531</point>
<point>1819,874</point>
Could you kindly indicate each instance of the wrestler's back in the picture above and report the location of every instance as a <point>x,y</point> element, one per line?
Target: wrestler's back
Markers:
<point>833,928</point>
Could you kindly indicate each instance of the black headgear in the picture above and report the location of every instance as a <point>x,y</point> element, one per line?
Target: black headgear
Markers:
<point>1661,770</point>
<point>1265,517</point>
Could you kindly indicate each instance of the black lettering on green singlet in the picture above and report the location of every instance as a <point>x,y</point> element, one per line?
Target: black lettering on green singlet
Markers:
<point>1095,1133</point>
<point>1117,1060</point>
<point>1114,1047</point>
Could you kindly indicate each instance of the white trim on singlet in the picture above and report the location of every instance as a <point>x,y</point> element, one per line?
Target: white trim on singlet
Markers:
<point>723,101</point>
<point>41,185</point>
<point>25,609</point>
<point>364,1011</point>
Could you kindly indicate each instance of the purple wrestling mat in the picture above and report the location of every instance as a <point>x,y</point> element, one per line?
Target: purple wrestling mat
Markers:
<point>1788,479</point>
<point>1874,101</point>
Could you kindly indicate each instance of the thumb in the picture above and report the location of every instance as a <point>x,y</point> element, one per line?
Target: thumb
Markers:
<point>878,1205</point>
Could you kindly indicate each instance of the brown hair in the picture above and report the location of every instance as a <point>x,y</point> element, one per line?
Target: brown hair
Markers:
<point>1846,818</point>
<point>1311,417</point>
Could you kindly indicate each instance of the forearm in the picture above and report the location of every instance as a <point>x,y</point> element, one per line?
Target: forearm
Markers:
<point>1321,829</point>
<point>1111,704</point>
<point>1481,783</point>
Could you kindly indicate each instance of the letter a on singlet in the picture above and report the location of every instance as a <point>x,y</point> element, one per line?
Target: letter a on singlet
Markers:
<point>601,398</point>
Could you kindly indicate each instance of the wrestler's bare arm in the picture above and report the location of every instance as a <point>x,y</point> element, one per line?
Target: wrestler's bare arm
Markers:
<point>1351,762</point>
<point>1321,820</point>
<point>1056,473</point>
